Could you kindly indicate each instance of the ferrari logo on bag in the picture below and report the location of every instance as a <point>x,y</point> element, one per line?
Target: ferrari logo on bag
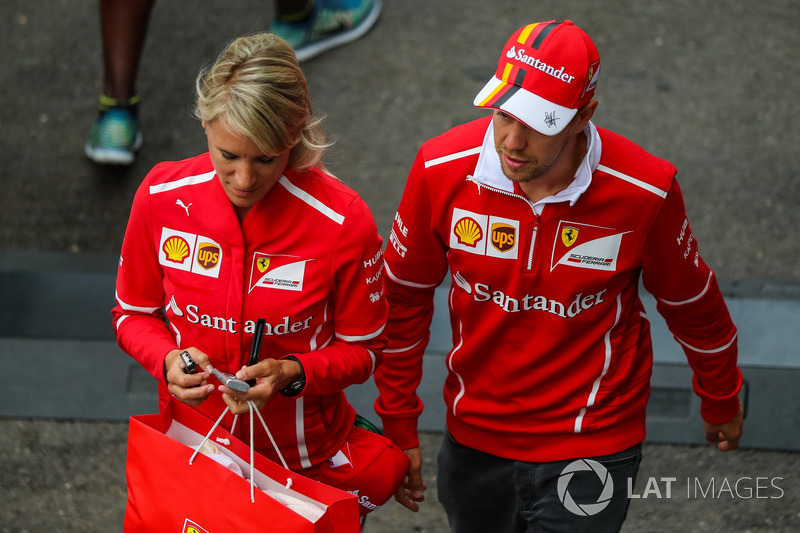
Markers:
<point>190,527</point>
<point>569,235</point>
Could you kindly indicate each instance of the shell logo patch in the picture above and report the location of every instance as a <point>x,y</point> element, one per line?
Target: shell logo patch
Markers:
<point>189,252</point>
<point>176,249</point>
<point>586,246</point>
<point>469,231</point>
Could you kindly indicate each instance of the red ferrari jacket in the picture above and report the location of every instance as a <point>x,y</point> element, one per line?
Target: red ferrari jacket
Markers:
<point>551,355</point>
<point>307,259</point>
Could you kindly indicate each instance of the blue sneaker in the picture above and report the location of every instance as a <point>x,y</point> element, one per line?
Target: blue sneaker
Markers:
<point>115,136</point>
<point>332,23</point>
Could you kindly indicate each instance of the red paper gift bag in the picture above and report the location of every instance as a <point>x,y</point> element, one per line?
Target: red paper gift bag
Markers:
<point>168,494</point>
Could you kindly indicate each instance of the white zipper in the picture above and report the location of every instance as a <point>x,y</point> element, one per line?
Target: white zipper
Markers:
<point>536,215</point>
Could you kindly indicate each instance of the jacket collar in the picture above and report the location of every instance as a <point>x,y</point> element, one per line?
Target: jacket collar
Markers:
<point>489,172</point>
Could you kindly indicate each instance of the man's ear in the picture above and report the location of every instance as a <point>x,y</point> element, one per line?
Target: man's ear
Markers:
<point>584,115</point>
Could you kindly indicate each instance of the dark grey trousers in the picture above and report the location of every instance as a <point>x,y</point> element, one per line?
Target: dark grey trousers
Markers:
<point>482,493</point>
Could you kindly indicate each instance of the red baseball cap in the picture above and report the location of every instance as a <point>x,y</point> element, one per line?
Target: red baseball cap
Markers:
<point>369,466</point>
<point>547,71</point>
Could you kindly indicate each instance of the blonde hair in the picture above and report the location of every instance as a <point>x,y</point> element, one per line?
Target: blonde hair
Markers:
<point>256,87</point>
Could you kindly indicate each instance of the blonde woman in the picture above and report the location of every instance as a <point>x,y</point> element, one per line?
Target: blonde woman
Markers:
<point>256,229</point>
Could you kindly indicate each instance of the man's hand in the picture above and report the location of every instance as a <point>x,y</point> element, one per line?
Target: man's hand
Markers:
<point>726,436</point>
<point>412,490</point>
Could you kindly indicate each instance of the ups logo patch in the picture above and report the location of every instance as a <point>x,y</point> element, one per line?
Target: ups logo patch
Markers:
<point>504,236</point>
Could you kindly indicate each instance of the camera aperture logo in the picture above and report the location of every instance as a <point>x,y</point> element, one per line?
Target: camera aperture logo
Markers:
<point>585,509</point>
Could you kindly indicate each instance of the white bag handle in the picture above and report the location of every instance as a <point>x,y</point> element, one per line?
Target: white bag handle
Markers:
<point>252,447</point>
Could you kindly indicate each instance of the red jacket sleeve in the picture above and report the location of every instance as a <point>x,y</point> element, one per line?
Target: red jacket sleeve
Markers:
<point>138,317</point>
<point>359,309</point>
<point>689,299</point>
<point>416,263</point>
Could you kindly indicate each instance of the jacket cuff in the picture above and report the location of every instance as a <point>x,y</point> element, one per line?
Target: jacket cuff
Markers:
<point>402,432</point>
<point>719,409</point>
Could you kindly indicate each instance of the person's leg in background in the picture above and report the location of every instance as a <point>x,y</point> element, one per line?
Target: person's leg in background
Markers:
<point>310,26</point>
<point>316,26</point>
<point>116,136</point>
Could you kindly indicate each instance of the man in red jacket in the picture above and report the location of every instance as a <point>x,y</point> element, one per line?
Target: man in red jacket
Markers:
<point>546,224</point>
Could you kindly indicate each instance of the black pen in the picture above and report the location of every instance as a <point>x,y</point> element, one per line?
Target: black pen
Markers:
<point>255,349</point>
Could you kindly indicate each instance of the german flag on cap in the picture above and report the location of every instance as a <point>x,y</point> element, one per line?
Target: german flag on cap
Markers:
<point>530,36</point>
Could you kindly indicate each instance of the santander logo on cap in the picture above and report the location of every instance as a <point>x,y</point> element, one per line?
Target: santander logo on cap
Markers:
<point>520,56</point>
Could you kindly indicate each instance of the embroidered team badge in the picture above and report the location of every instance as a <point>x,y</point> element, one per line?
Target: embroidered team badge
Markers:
<point>277,272</point>
<point>592,77</point>
<point>586,246</point>
<point>569,234</point>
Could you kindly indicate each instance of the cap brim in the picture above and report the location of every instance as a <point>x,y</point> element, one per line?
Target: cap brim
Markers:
<point>534,111</point>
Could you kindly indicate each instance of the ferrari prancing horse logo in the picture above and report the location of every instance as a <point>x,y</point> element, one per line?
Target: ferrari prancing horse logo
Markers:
<point>569,235</point>
<point>576,244</point>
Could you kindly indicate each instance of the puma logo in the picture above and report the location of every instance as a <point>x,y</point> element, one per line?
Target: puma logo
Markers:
<point>186,207</point>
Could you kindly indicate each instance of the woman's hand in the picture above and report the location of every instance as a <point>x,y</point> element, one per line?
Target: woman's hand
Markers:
<point>271,375</point>
<point>191,389</point>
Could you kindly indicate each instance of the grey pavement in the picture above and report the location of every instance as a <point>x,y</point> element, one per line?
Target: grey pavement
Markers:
<point>709,85</point>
